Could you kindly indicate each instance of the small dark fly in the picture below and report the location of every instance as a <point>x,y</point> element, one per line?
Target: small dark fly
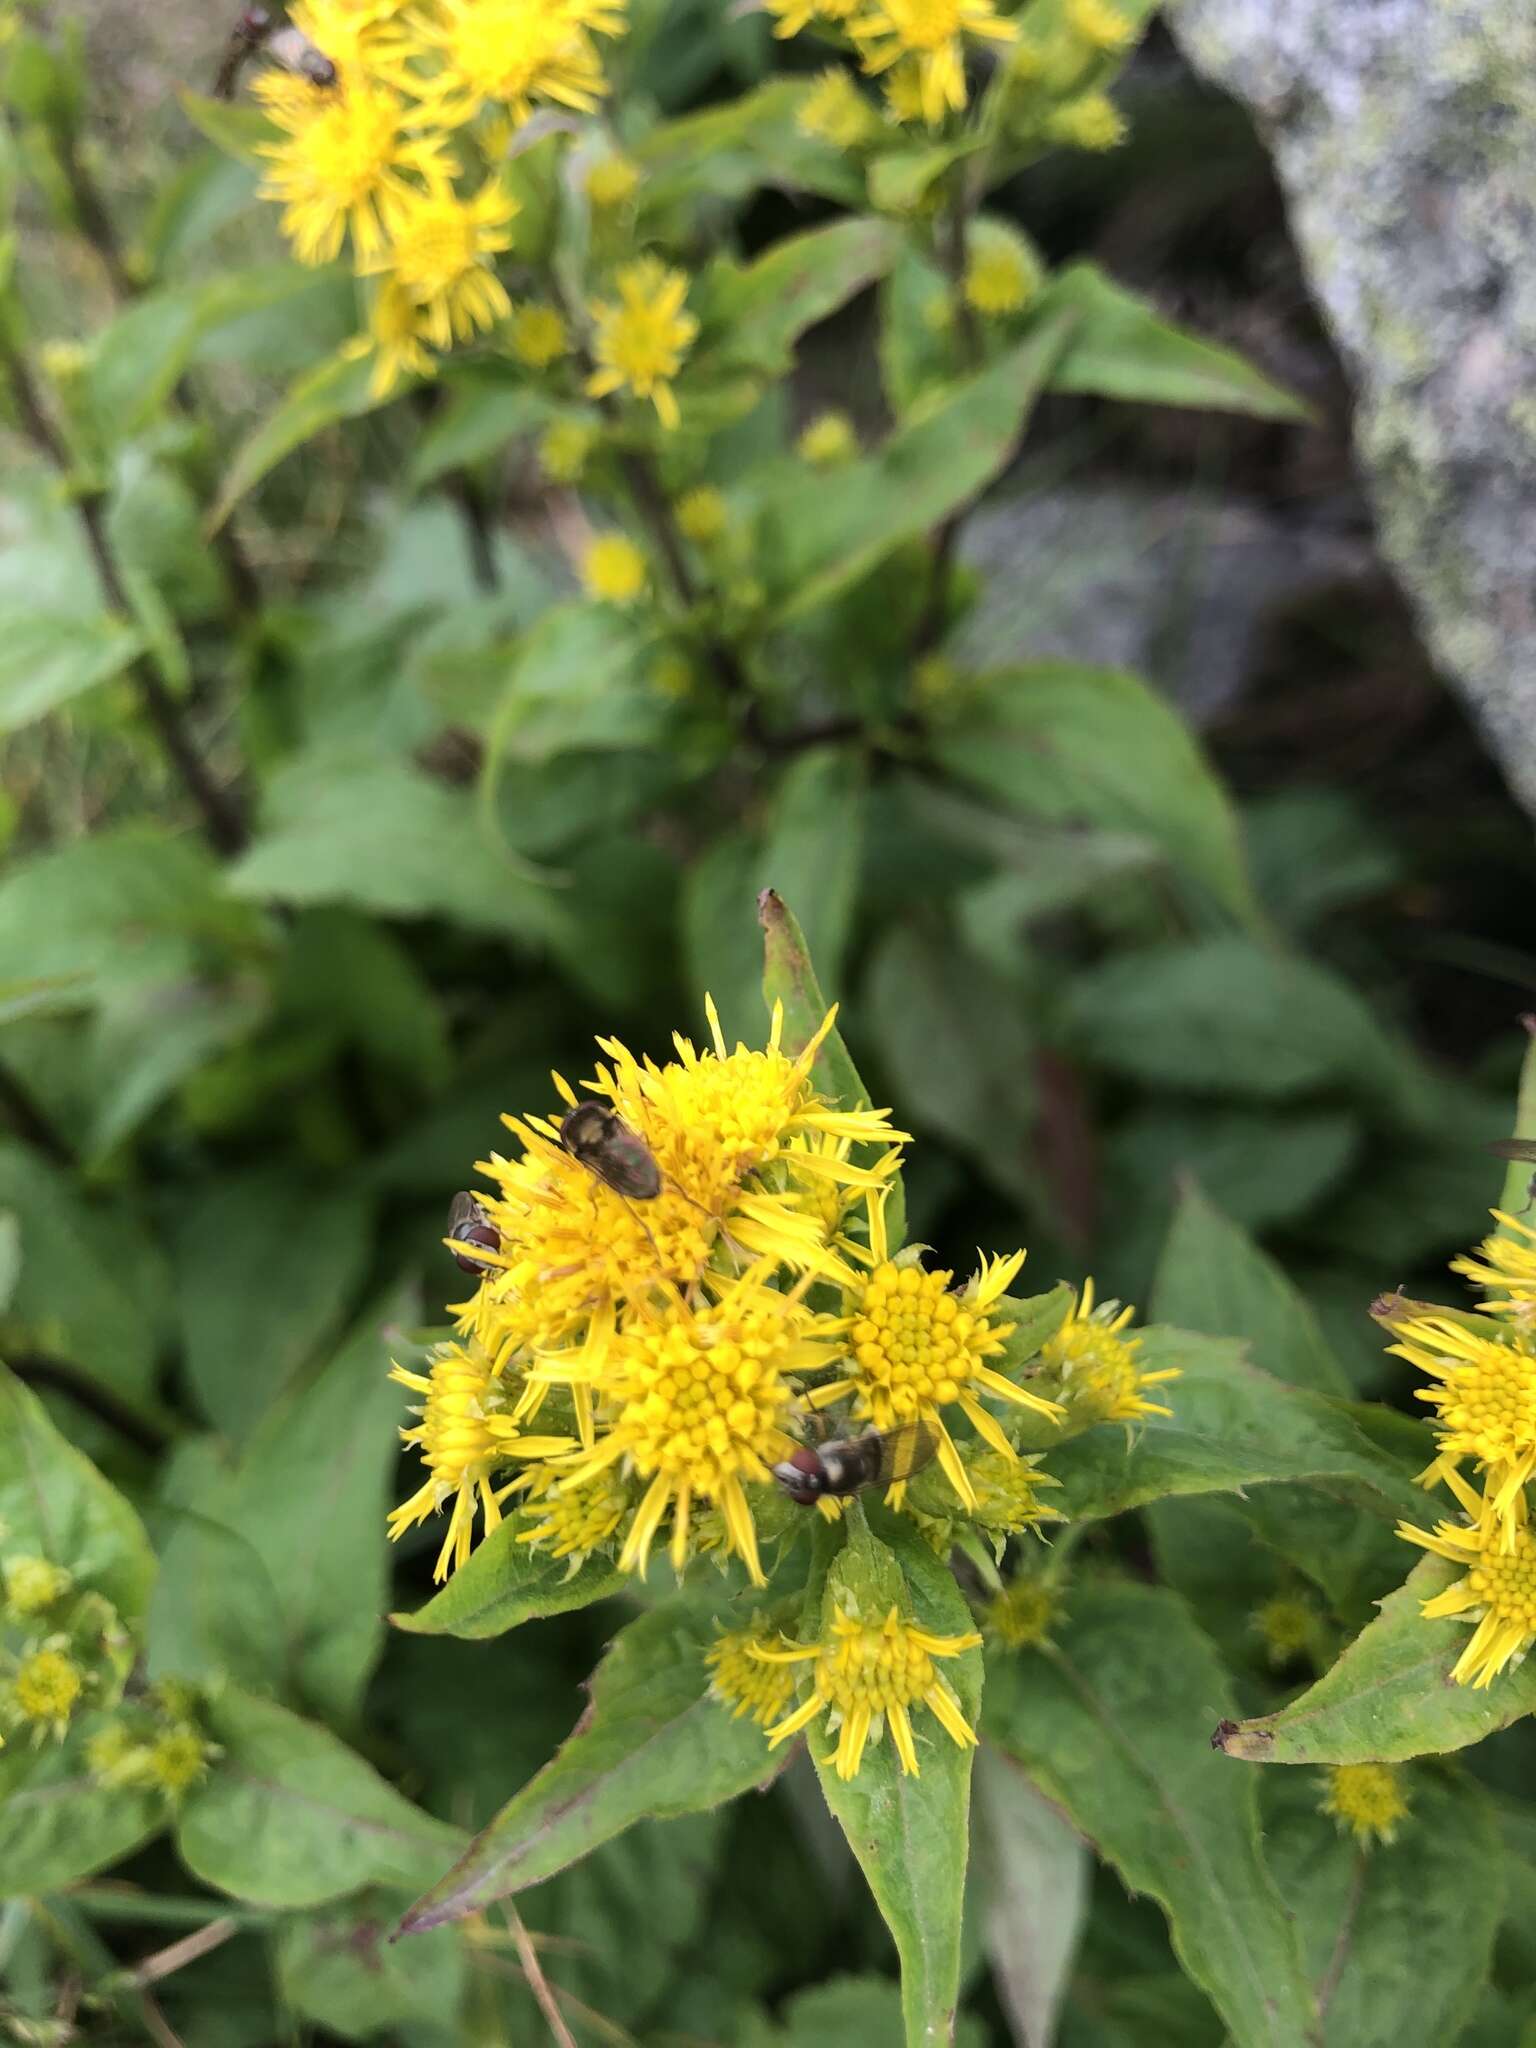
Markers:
<point>245,39</point>
<point>469,1224</point>
<point>288,47</point>
<point>844,1467</point>
<point>603,1143</point>
<point>1518,1148</point>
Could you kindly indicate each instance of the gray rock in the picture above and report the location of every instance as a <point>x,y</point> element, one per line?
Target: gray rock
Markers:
<point>1404,133</point>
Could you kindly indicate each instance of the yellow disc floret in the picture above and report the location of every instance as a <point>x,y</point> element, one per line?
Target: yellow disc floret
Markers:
<point>1020,1617</point>
<point>1367,1800</point>
<point>1484,1402</point>
<point>346,163</point>
<point>614,570</point>
<point>538,335</point>
<point>1497,1594</point>
<point>572,1521</point>
<point>866,1675</point>
<point>1096,1368</point>
<point>746,1682</point>
<point>33,1585</point>
<point>45,1690</point>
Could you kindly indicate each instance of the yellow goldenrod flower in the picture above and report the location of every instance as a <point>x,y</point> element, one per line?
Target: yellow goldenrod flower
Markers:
<point>1498,1593</point>
<point>702,515</point>
<point>395,336</point>
<point>1367,1800</point>
<point>572,1521</point>
<point>1288,1626</point>
<point>439,255</point>
<point>346,162</point>
<point>114,1756</point>
<point>45,1690</point>
<point>510,53</point>
<point>1094,1366</point>
<point>612,182</point>
<point>177,1761</point>
<point>1099,25</point>
<point>467,1435</point>
<point>564,450</point>
<point>902,86</point>
<point>699,1398</point>
<point>917,1348</point>
<point>1091,121</point>
<point>835,111</point>
<point>1503,1264</point>
<point>931,32</point>
<point>642,337</point>
<point>348,31</point>
<point>614,570</point>
<point>33,1585</point>
<point>866,1675</point>
<point>1021,1615</point>
<point>793,15</point>
<point>828,442</point>
<point>1002,272</point>
<point>1007,1492</point>
<point>538,335</point>
<point>746,1682</point>
<point>1485,1403</point>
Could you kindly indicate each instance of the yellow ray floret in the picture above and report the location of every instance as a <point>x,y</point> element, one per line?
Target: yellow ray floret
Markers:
<point>439,257</point>
<point>1504,1263</point>
<point>1095,1366</point>
<point>1485,1404</point>
<point>867,1675</point>
<point>468,1437</point>
<point>1498,1593</point>
<point>931,33</point>
<point>640,338</point>
<point>346,163</point>
<point>512,54</point>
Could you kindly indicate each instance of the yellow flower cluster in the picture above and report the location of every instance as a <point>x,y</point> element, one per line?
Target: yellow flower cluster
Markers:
<point>918,44</point>
<point>395,144</point>
<point>1482,1397</point>
<point>61,1649</point>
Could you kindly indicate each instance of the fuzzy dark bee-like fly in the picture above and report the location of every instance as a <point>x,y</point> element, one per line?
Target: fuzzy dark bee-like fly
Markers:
<point>286,46</point>
<point>844,1467</point>
<point>469,1224</point>
<point>603,1143</point>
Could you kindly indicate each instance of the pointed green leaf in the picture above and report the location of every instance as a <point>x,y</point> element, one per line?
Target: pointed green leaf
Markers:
<point>1034,1869</point>
<point>506,1583</point>
<point>1232,1427</point>
<point>289,1816</point>
<point>653,1744</point>
<point>1120,348</point>
<point>1390,1696</point>
<point>1110,1722</point>
<point>911,1835</point>
<point>722,153</point>
<point>1398,1939</point>
<point>799,281</point>
<point>338,389</point>
<point>1212,1277</point>
<point>338,1969</point>
<point>789,977</point>
<point>55,1504</point>
<point>57,1825</point>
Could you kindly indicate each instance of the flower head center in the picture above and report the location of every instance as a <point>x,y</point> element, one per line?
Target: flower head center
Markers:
<point>914,1343</point>
<point>705,1401</point>
<point>47,1686</point>
<point>1505,1581</point>
<point>924,24</point>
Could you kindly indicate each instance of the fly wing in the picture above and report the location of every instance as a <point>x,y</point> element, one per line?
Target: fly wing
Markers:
<point>1513,1148</point>
<point>463,1211</point>
<point>905,1451</point>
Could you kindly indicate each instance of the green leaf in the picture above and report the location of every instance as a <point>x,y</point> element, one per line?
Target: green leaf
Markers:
<point>1390,1695</point>
<point>723,153</point>
<point>343,825</point>
<point>1225,1015</point>
<point>1213,1278</point>
<point>339,1970</point>
<point>290,1817</point>
<point>1033,1869</point>
<point>1232,1427</point>
<point>506,1583</point>
<point>855,2010</point>
<point>231,126</point>
<point>482,417</point>
<point>799,281</point>
<point>267,1263</point>
<point>215,1613</point>
<point>55,1504</point>
<point>579,680</point>
<point>1120,348</point>
<point>652,1744</point>
<point>57,1825</point>
<point>48,658</point>
<point>1397,1940</point>
<point>1110,1723</point>
<point>337,390</point>
<point>789,977</point>
<point>1061,742</point>
<point>813,844</point>
<point>814,543</point>
<point>911,1835</point>
<point>1517,1175</point>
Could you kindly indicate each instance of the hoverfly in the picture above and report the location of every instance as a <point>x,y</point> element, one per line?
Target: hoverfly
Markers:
<point>600,1140</point>
<point>1518,1148</point>
<point>837,1470</point>
<point>469,1223</point>
<point>286,46</point>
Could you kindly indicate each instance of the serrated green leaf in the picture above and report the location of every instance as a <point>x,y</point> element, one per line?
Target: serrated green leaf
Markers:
<point>1390,1696</point>
<point>1214,1279</point>
<point>1120,348</point>
<point>1397,1939</point>
<point>290,1817</point>
<point>506,1583</point>
<point>57,1825</point>
<point>653,1744</point>
<point>1232,1427</point>
<point>1063,742</point>
<point>911,1835</point>
<point>1110,1722</point>
<point>55,1504</point>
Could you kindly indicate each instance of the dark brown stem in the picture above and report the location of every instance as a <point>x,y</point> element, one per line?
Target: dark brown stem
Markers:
<point>39,1370</point>
<point>223,823</point>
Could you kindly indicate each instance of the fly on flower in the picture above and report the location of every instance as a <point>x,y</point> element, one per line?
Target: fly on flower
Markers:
<point>603,1143</point>
<point>470,1224</point>
<point>845,1466</point>
<point>288,47</point>
<point>1524,1149</point>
